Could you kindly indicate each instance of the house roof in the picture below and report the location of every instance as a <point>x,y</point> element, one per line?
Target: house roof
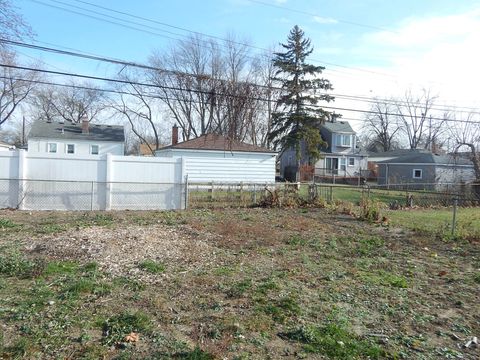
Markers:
<point>338,127</point>
<point>423,157</point>
<point>395,153</point>
<point>218,143</point>
<point>97,132</point>
<point>4,144</point>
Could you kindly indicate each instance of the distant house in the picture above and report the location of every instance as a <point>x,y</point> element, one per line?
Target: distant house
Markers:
<point>6,147</point>
<point>216,158</point>
<point>425,170</point>
<point>81,139</point>
<point>340,158</point>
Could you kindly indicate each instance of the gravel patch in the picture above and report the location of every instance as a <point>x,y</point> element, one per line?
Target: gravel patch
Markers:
<point>119,251</point>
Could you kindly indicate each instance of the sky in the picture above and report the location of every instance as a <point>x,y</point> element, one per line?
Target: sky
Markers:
<point>371,48</point>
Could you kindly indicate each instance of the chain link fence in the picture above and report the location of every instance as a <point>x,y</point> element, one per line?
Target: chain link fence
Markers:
<point>90,195</point>
<point>218,195</point>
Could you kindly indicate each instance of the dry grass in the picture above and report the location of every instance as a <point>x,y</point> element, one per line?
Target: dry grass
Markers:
<point>236,284</point>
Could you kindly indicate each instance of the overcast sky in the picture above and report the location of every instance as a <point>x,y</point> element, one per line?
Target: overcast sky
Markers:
<point>369,48</point>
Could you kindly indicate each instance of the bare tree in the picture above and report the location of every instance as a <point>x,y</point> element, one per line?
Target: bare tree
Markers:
<point>190,90</point>
<point>15,85</point>
<point>210,87</point>
<point>466,134</point>
<point>42,104</point>
<point>139,107</point>
<point>78,101</point>
<point>414,114</point>
<point>12,24</point>
<point>381,127</point>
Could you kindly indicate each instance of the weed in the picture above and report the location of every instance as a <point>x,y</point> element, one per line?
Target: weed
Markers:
<point>152,267</point>
<point>7,224</point>
<point>51,228</point>
<point>117,327</point>
<point>224,271</point>
<point>239,288</point>
<point>13,264</point>
<point>476,277</point>
<point>334,341</point>
<point>282,308</point>
<point>195,354</point>
<point>368,246</point>
<point>385,278</point>
<point>18,350</point>
<point>129,284</point>
<point>103,219</point>
<point>267,286</point>
<point>296,240</point>
<point>370,211</point>
<point>74,288</point>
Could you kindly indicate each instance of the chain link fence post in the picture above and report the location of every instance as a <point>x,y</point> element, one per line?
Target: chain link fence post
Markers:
<point>91,197</point>
<point>454,219</point>
<point>186,192</point>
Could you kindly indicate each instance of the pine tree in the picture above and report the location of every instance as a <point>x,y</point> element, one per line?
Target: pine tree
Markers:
<point>299,118</point>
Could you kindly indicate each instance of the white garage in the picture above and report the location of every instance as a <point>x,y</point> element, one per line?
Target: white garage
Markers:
<point>216,158</point>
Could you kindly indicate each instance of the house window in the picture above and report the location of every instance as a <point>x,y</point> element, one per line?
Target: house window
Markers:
<point>351,161</point>
<point>417,173</point>
<point>94,149</point>
<point>70,149</point>
<point>331,165</point>
<point>52,147</point>
<point>344,140</point>
<point>343,164</point>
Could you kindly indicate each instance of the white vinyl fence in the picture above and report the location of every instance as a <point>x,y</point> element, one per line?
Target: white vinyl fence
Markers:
<point>107,182</point>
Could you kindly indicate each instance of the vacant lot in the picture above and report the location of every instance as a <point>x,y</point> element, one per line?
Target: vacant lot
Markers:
<point>235,284</point>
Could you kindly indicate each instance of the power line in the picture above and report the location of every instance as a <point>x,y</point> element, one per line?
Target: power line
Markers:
<point>220,94</point>
<point>392,76</point>
<point>153,68</point>
<point>317,15</point>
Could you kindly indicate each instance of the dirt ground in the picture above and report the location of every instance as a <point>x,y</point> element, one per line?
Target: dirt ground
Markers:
<point>233,284</point>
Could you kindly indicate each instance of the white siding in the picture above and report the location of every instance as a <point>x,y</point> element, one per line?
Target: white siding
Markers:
<point>82,147</point>
<point>225,166</point>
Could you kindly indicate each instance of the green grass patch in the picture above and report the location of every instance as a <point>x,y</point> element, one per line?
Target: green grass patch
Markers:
<point>296,240</point>
<point>74,288</point>
<point>369,246</point>
<point>60,267</point>
<point>13,264</point>
<point>152,267</point>
<point>438,222</point>
<point>195,354</point>
<point>117,327</point>
<point>385,278</point>
<point>7,224</point>
<point>224,271</point>
<point>282,308</point>
<point>239,288</point>
<point>51,228</point>
<point>334,341</point>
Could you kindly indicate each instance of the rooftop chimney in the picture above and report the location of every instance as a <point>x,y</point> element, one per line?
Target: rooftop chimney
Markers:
<point>85,125</point>
<point>174,134</point>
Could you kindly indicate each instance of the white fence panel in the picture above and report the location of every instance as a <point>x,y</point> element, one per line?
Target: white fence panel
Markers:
<point>63,182</point>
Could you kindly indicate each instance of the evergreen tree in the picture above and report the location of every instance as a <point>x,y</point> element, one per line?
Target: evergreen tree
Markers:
<point>299,117</point>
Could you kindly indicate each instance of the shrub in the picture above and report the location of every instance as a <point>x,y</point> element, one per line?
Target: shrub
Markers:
<point>370,211</point>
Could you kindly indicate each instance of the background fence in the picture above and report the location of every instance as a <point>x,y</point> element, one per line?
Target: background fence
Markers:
<point>201,195</point>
